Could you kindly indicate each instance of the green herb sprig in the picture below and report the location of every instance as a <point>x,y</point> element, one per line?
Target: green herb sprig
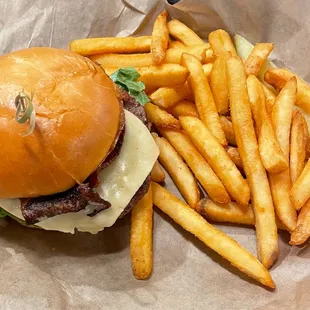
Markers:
<point>127,79</point>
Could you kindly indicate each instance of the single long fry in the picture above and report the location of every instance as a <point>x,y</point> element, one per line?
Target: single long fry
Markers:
<point>176,44</point>
<point>234,155</point>
<point>123,60</point>
<point>280,183</point>
<point>203,97</point>
<point>302,231</point>
<point>220,42</point>
<point>228,213</point>
<point>228,130</point>
<point>278,78</point>
<point>179,171</point>
<point>160,38</point>
<point>282,114</point>
<point>173,55</point>
<point>257,58</point>
<point>157,173</point>
<point>228,248</point>
<point>266,230</point>
<point>299,139</point>
<point>217,158</point>
<point>184,34</point>
<point>141,234</point>
<point>92,46</point>
<point>164,75</point>
<point>218,83</point>
<point>160,118</point>
<point>201,169</point>
<point>166,97</point>
<point>183,108</point>
<point>300,192</point>
<point>271,153</point>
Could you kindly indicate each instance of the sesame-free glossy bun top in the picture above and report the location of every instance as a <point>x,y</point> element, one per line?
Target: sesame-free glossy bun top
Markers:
<point>77,121</point>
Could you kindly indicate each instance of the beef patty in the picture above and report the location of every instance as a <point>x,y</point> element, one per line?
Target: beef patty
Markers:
<point>78,197</point>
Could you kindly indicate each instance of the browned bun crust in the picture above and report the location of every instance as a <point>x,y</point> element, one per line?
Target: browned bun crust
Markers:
<point>77,121</point>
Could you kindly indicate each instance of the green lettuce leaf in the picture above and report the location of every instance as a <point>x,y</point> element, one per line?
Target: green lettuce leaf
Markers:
<point>126,78</point>
<point>3,213</point>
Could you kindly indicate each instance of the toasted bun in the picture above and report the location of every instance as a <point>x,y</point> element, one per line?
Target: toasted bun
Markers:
<point>77,121</point>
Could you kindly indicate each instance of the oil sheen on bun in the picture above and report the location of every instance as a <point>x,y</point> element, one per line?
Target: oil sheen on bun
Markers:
<point>77,121</point>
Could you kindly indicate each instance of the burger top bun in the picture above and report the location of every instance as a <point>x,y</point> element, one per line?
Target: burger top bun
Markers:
<point>77,121</point>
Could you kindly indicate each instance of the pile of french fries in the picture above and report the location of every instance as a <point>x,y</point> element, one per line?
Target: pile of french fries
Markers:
<point>235,142</point>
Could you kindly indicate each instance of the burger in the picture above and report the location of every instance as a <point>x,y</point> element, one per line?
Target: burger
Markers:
<point>76,152</point>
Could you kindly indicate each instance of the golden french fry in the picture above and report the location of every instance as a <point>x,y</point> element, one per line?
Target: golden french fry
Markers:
<point>123,60</point>
<point>300,192</point>
<point>92,46</point>
<point>164,75</point>
<point>160,118</point>
<point>176,44</point>
<point>257,58</point>
<point>228,130</point>
<point>278,78</point>
<point>271,153</point>
<point>209,56</point>
<point>302,231</point>
<point>141,235</point>
<point>166,97</point>
<point>201,169</point>
<point>218,83</point>
<point>157,173</point>
<point>228,248</point>
<point>270,98</point>
<point>203,97</point>
<point>280,183</point>
<point>217,158</point>
<point>183,108</point>
<point>173,55</point>
<point>179,171</point>
<point>220,42</point>
<point>240,109</point>
<point>184,34</point>
<point>299,138</point>
<point>207,68</point>
<point>282,111</point>
<point>228,213</point>
<point>234,155</point>
<point>160,38</point>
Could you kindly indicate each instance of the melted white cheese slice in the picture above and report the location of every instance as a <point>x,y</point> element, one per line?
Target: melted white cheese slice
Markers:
<point>119,182</point>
